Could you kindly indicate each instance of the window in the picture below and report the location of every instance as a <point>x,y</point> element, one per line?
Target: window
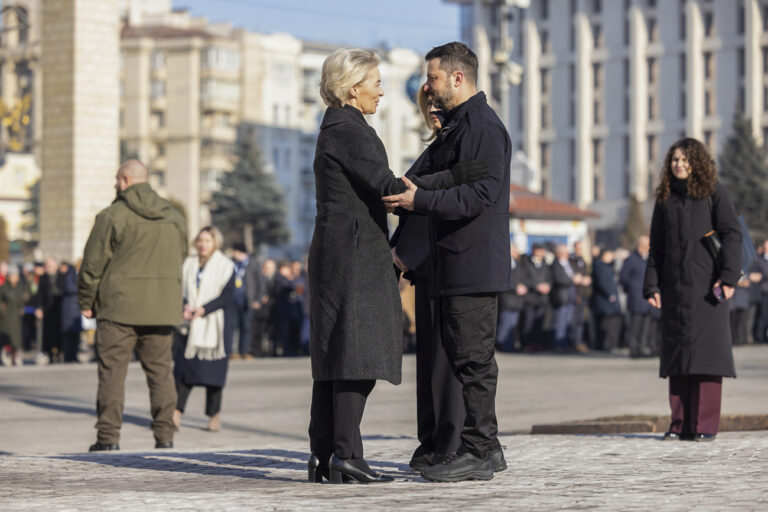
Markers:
<point>572,77</point>
<point>157,89</point>
<point>159,150</point>
<point>598,186</point>
<point>544,115</point>
<point>742,60</point>
<point>650,3</point>
<point>626,73</point>
<point>597,75</point>
<point>625,146</point>
<point>765,100</point>
<point>651,107</point>
<point>626,32</point>
<point>157,119</point>
<point>572,112</point>
<point>574,6</point>
<point>765,59</point>
<point>652,71</point>
<point>544,74</point>
<point>683,103</point>
<point>597,112</point>
<point>709,24</point>
<point>742,98</point>
<point>651,139</point>
<point>597,35</point>
<point>708,65</point>
<point>740,19</point>
<point>545,46</point>
<point>214,89</point>
<point>708,103</point>
<point>626,108</point>
<point>544,9</point>
<point>157,59</point>
<point>545,156</point>
<point>709,140</point>
<point>226,59</point>
<point>653,31</point>
<point>597,152</point>
<point>682,20</point>
<point>683,67</point>
<point>597,6</point>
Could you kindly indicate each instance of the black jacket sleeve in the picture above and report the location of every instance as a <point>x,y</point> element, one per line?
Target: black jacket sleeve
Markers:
<point>222,300</point>
<point>653,270</point>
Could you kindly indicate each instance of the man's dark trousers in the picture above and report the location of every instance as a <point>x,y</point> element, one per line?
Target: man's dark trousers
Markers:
<point>469,334</point>
<point>238,317</point>
<point>439,403</point>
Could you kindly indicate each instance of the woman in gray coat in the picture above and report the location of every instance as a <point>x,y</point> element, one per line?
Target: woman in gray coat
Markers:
<point>355,313</point>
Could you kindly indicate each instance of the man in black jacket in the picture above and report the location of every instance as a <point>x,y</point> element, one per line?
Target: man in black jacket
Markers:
<point>561,297</point>
<point>538,279</point>
<point>469,233</point>
<point>511,304</point>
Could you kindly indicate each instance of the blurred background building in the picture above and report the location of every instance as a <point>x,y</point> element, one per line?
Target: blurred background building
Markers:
<point>608,85</point>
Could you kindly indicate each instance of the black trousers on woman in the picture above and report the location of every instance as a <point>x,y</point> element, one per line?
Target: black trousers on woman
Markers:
<point>213,395</point>
<point>335,416</point>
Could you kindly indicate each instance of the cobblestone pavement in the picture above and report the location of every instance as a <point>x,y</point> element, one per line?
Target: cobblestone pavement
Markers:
<point>257,461</point>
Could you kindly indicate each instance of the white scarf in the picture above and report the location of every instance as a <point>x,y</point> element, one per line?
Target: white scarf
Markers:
<point>206,334</point>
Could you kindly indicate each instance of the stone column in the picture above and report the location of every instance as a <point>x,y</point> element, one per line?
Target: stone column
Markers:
<point>80,59</point>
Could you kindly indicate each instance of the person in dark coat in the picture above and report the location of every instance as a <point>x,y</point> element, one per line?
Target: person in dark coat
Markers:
<point>50,308</point>
<point>200,356</point>
<point>739,307</point>
<point>262,303</point>
<point>355,309</point>
<point>238,316</point>
<point>439,404</point>
<point>71,322</point>
<point>511,304</point>
<point>605,301</point>
<point>760,321</point>
<point>286,312</point>
<point>583,282</point>
<point>538,280</point>
<point>683,280</point>
<point>643,320</point>
<point>469,233</point>
<point>561,298</point>
<point>13,295</point>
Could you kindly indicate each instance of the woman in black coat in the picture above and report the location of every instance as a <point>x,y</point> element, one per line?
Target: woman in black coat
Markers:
<point>355,310</point>
<point>682,279</point>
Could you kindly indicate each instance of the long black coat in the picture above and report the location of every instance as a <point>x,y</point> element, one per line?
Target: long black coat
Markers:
<point>696,337</point>
<point>355,310</point>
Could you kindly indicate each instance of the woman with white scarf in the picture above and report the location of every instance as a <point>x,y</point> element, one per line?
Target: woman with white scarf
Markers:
<point>199,356</point>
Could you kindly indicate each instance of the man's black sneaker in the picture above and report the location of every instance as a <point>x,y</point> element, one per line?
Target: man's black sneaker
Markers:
<point>102,447</point>
<point>419,462</point>
<point>497,460</point>
<point>460,466</point>
<point>164,444</point>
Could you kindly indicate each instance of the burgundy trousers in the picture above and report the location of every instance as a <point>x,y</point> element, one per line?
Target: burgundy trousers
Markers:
<point>695,403</point>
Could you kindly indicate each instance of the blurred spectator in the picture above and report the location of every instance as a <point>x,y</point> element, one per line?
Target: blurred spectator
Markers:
<point>761,313</point>
<point>605,301</point>
<point>511,304</point>
<point>239,313</point>
<point>286,312</point>
<point>13,295</point>
<point>643,331</point>
<point>71,325</point>
<point>561,297</point>
<point>3,272</point>
<point>583,282</point>
<point>262,321</point>
<point>739,305</point>
<point>28,322</point>
<point>302,293</point>
<point>50,306</point>
<point>538,279</point>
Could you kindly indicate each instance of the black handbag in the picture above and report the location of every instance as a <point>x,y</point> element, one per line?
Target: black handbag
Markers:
<point>713,245</point>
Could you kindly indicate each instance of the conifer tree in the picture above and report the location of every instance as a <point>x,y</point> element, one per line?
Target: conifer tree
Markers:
<point>634,225</point>
<point>249,204</point>
<point>744,172</point>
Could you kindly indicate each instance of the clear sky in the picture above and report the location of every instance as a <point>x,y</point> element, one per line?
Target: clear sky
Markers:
<point>416,24</point>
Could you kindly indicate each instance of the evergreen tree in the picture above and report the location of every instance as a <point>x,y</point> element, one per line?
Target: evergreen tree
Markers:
<point>5,244</point>
<point>249,205</point>
<point>634,226</point>
<point>744,172</point>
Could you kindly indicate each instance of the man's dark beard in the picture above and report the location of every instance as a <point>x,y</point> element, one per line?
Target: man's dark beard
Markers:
<point>441,100</point>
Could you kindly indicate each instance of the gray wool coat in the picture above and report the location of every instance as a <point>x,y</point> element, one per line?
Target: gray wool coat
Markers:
<point>355,311</point>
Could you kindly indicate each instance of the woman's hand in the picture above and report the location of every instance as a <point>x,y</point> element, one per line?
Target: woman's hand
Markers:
<point>727,290</point>
<point>655,300</point>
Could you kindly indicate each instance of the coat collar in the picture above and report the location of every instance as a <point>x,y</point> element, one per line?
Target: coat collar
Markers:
<point>345,114</point>
<point>457,113</point>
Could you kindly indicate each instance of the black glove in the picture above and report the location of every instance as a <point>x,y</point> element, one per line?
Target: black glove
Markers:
<point>469,171</point>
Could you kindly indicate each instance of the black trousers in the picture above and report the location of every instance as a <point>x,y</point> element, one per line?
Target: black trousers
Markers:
<point>335,416</point>
<point>641,335</point>
<point>439,402</point>
<point>468,329</point>
<point>739,326</point>
<point>213,395</point>
<point>608,331</point>
<point>533,326</point>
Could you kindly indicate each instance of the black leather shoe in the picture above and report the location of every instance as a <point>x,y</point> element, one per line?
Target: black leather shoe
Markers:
<point>671,436</point>
<point>354,470</point>
<point>103,447</point>
<point>164,444</point>
<point>497,460</point>
<point>704,438</point>
<point>317,468</point>
<point>460,466</point>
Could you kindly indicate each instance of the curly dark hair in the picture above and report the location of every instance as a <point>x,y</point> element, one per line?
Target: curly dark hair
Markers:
<point>703,177</point>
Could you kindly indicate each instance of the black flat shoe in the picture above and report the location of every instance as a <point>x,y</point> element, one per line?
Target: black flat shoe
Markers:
<point>355,470</point>
<point>704,438</point>
<point>164,444</point>
<point>103,447</point>
<point>317,469</point>
<point>671,436</point>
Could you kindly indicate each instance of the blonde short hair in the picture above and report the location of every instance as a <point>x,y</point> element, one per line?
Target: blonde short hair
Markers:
<point>342,70</point>
<point>218,238</point>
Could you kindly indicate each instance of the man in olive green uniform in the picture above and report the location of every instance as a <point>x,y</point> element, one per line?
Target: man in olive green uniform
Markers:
<point>130,280</point>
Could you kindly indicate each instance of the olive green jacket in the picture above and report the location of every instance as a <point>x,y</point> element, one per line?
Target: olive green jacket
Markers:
<point>131,271</point>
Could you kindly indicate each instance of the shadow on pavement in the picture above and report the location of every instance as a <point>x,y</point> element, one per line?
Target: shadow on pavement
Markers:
<point>264,464</point>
